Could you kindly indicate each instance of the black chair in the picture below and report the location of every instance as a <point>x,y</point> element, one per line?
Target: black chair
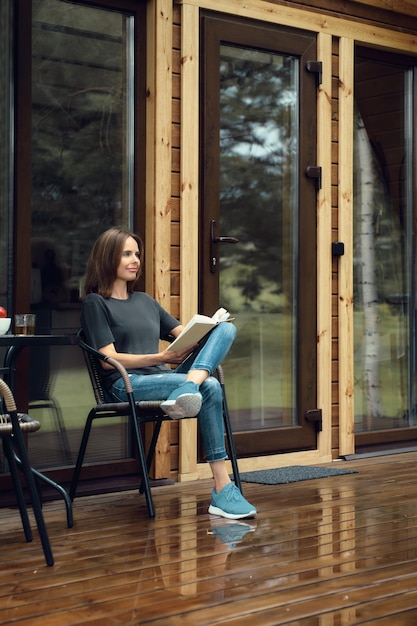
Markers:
<point>138,413</point>
<point>12,427</point>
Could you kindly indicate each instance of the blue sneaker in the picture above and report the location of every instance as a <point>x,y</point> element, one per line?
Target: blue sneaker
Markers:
<point>185,401</point>
<point>230,503</point>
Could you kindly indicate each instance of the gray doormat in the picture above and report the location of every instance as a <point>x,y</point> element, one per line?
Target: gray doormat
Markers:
<point>292,474</point>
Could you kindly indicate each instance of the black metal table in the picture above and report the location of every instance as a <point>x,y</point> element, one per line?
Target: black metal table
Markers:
<point>14,344</point>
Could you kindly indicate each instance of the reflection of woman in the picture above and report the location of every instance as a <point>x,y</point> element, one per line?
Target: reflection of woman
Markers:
<point>128,325</point>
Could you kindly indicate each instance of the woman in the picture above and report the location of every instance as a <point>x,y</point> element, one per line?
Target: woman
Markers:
<point>127,325</point>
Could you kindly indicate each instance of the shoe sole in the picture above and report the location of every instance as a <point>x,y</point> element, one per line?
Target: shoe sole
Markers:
<point>214,510</point>
<point>186,405</point>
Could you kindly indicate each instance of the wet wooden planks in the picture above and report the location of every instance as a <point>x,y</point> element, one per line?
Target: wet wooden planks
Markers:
<point>339,550</point>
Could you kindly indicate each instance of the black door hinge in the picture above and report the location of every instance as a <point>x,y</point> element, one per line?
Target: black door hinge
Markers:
<point>314,171</point>
<point>315,67</point>
<point>314,416</point>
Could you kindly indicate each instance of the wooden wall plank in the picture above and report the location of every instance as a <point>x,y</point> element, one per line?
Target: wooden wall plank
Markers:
<point>189,174</point>
<point>159,127</point>
<point>158,176</point>
<point>345,203</point>
<point>189,205</point>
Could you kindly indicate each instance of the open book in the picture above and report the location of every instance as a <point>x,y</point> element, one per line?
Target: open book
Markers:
<point>197,328</point>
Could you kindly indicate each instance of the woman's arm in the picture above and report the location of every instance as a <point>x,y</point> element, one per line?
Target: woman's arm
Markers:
<point>176,331</point>
<point>133,361</point>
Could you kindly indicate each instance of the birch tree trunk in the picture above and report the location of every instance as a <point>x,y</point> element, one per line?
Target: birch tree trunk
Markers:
<point>365,210</point>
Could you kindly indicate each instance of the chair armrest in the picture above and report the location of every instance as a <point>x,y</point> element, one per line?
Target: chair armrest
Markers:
<point>6,393</point>
<point>106,359</point>
<point>220,374</point>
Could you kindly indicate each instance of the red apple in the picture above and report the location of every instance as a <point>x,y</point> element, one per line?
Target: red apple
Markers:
<point>3,312</point>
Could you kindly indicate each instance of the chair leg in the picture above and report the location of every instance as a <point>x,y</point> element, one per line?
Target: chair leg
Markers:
<point>34,496</point>
<point>58,487</point>
<point>81,454</point>
<point>142,458</point>
<point>10,456</point>
<point>151,451</point>
<point>230,441</point>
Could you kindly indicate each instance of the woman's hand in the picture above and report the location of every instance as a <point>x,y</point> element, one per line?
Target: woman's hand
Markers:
<point>177,356</point>
<point>132,361</point>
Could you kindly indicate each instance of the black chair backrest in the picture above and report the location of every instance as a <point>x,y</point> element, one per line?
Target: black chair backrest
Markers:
<point>101,394</point>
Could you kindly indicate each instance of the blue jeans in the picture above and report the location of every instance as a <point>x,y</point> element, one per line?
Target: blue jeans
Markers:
<point>207,357</point>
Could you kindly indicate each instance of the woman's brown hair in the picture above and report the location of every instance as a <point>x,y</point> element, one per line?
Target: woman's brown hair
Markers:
<point>104,260</point>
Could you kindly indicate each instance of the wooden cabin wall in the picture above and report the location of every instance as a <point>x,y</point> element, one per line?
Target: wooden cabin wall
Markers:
<point>376,13</point>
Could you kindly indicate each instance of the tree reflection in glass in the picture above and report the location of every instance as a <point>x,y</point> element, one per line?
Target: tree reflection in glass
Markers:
<point>259,205</point>
<point>81,125</point>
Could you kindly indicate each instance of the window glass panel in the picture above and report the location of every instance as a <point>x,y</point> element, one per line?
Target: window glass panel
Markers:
<point>259,155</point>
<point>81,133</point>
<point>383,292</point>
<point>82,183</point>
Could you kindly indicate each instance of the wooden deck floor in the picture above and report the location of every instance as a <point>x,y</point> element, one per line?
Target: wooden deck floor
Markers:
<point>333,551</point>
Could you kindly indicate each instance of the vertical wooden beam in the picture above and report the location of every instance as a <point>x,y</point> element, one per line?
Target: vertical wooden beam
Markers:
<point>158,150</point>
<point>158,177</point>
<point>189,205</point>
<point>324,246</point>
<point>189,160</point>
<point>345,202</point>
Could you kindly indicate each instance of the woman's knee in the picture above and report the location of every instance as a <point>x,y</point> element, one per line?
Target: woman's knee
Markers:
<point>228,330</point>
<point>211,389</point>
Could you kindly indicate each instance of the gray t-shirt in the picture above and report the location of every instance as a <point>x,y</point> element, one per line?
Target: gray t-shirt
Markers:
<point>134,326</point>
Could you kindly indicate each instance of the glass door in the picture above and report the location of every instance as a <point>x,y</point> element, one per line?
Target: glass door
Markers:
<point>258,224</point>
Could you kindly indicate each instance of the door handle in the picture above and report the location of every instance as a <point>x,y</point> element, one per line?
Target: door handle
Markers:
<point>217,239</point>
<point>225,240</point>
